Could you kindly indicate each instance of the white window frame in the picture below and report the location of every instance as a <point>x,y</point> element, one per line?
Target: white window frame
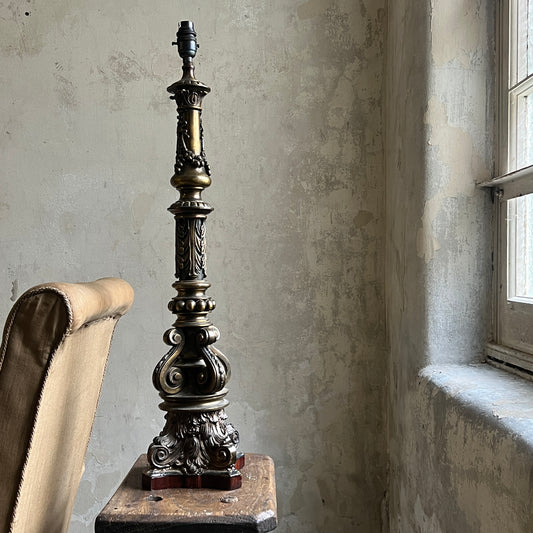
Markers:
<point>512,343</point>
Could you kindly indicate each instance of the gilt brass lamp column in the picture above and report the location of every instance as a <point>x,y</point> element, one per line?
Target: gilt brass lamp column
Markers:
<point>198,447</point>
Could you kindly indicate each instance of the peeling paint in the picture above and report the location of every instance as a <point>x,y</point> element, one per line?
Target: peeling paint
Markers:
<point>14,290</point>
<point>310,9</point>
<point>426,523</point>
<point>460,164</point>
<point>66,92</point>
<point>362,218</point>
<point>457,37</point>
<point>141,207</point>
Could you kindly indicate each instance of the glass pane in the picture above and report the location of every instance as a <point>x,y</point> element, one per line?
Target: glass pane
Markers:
<point>524,126</point>
<point>520,247</point>
<point>524,38</point>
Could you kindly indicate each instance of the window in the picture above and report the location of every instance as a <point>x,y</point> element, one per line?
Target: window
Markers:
<point>512,345</point>
<point>520,249</point>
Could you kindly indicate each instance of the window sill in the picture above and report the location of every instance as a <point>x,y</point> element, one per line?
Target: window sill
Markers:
<point>502,400</point>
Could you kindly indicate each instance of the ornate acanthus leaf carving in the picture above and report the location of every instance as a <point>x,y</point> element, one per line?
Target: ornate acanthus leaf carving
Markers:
<point>195,442</point>
<point>190,248</point>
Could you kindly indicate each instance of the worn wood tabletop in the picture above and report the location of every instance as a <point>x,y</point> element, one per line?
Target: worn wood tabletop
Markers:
<point>252,508</point>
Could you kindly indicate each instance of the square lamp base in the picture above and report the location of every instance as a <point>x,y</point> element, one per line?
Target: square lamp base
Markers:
<point>212,479</point>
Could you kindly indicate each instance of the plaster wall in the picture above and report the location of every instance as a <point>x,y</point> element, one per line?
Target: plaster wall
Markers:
<point>460,447</point>
<point>293,131</point>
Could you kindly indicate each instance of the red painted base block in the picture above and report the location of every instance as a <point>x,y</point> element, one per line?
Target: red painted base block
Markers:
<point>212,479</point>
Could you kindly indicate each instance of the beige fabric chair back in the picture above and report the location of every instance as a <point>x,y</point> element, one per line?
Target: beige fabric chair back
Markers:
<point>52,360</point>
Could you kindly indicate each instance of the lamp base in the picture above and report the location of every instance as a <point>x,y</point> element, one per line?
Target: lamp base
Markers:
<point>170,478</point>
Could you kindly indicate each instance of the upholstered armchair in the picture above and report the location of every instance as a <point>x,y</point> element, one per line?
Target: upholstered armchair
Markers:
<point>52,360</point>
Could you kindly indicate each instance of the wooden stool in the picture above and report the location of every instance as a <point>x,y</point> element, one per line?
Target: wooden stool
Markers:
<point>252,508</point>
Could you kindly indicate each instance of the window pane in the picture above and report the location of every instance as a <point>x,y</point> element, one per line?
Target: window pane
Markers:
<point>524,40</point>
<point>524,125</point>
<point>520,247</point>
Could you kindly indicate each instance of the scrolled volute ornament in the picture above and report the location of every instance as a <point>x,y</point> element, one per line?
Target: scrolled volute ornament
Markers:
<point>217,370</point>
<point>167,376</point>
<point>208,335</point>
